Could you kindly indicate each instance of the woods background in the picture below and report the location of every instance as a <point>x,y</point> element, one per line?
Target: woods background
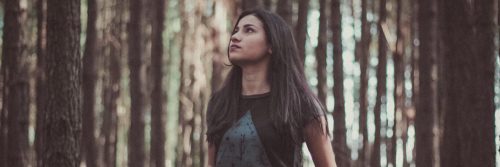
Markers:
<point>103,83</point>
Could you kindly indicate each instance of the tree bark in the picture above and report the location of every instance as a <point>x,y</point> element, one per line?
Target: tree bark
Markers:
<point>426,106</point>
<point>62,118</point>
<point>342,153</point>
<point>268,4</point>
<point>89,148</point>
<point>136,151</point>
<point>469,114</point>
<point>399,88</point>
<point>41,76</point>
<point>363,100</point>
<point>17,105</point>
<point>284,8</point>
<point>301,28</point>
<point>321,53</point>
<point>250,4</point>
<point>381,84</point>
<point>112,88</point>
<point>157,96</point>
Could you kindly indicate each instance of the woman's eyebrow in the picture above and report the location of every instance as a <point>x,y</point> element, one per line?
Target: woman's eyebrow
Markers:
<point>248,25</point>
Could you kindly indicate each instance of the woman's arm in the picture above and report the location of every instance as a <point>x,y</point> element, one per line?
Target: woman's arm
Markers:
<point>211,155</point>
<point>319,144</point>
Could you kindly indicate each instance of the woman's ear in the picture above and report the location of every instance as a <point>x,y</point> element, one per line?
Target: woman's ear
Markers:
<point>270,51</point>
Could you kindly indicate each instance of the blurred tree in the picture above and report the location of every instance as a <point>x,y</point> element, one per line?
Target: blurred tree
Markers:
<point>362,52</point>
<point>342,153</point>
<point>284,8</point>
<point>89,147</point>
<point>16,87</point>
<point>301,28</point>
<point>321,53</point>
<point>41,76</point>
<point>426,106</point>
<point>115,46</point>
<point>398,57</point>
<point>381,83</point>
<point>157,153</point>
<point>136,138</point>
<point>469,131</point>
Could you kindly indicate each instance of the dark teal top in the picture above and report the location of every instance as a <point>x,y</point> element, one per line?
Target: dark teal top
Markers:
<point>254,141</point>
<point>241,146</point>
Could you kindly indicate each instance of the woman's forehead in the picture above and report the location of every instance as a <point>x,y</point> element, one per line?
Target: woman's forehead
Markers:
<point>250,20</point>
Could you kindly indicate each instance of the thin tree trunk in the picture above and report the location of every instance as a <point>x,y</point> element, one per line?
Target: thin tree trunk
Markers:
<point>399,89</point>
<point>268,4</point>
<point>3,114</point>
<point>17,84</point>
<point>469,114</point>
<point>112,88</point>
<point>62,117</point>
<point>301,28</point>
<point>250,4</point>
<point>184,130</point>
<point>284,8</point>
<point>414,75</point>
<point>321,53</point>
<point>363,100</point>
<point>157,96</point>
<point>426,106</point>
<point>342,153</point>
<point>136,150</point>
<point>381,84</point>
<point>89,148</point>
<point>41,78</point>
<point>3,117</point>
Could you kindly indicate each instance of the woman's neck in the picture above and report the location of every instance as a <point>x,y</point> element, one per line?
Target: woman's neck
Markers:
<point>254,79</point>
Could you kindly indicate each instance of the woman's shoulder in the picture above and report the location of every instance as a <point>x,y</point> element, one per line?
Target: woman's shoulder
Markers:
<point>312,109</point>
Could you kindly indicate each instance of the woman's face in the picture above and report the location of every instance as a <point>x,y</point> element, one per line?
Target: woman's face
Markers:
<point>248,43</point>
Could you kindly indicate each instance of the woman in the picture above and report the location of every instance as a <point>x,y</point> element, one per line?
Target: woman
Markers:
<point>265,110</point>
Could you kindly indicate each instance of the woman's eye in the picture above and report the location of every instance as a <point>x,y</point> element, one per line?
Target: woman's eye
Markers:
<point>249,30</point>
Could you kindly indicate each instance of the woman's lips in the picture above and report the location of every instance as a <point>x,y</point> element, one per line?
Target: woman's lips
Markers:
<point>234,47</point>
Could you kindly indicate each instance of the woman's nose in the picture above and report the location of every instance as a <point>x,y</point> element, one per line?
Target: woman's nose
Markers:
<point>235,38</point>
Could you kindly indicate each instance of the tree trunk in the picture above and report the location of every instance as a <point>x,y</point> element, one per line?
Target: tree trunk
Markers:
<point>363,100</point>
<point>268,4</point>
<point>284,8</point>
<point>250,4</point>
<point>194,91</point>
<point>89,149</point>
<point>186,113</point>
<point>3,118</point>
<point>41,78</point>
<point>381,84</point>
<point>301,28</point>
<point>62,118</point>
<point>321,53</point>
<point>16,74</point>
<point>157,96</point>
<point>426,106</point>
<point>469,114</point>
<point>399,88</point>
<point>112,87</point>
<point>342,153</point>
<point>136,153</point>
<point>3,114</point>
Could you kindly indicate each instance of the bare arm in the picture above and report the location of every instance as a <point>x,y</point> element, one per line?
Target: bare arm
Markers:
<point>319,144</point>
<point>211,155</point>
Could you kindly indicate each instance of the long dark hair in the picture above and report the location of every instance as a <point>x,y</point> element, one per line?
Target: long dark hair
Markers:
<point>290,97</point>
